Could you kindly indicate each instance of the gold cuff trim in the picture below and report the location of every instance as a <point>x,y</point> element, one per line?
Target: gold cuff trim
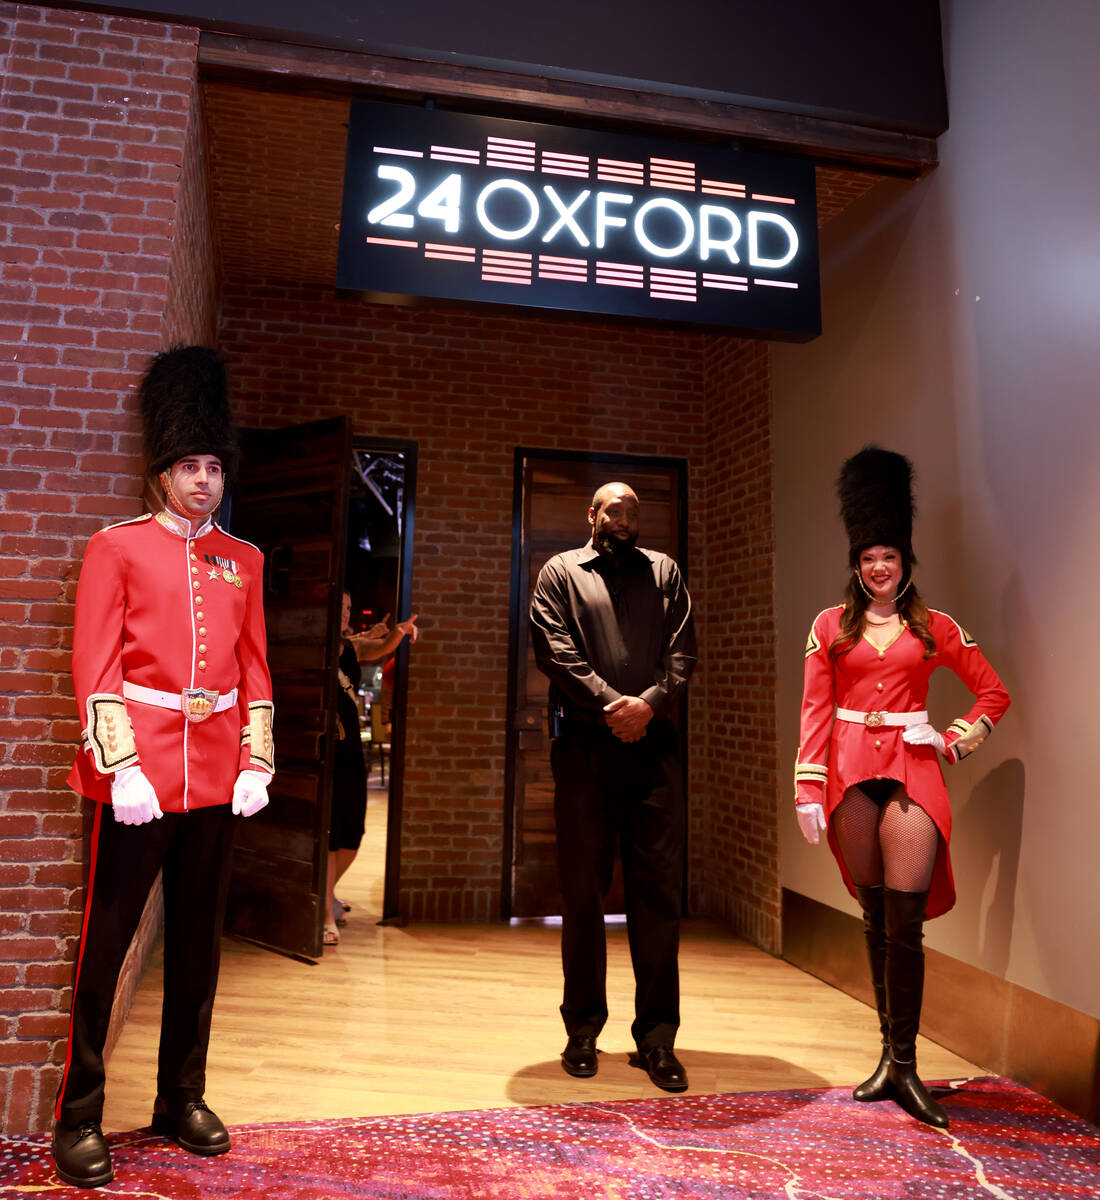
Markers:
<point>970,736</point>
<point>261,749</point>
<point>109,734</point>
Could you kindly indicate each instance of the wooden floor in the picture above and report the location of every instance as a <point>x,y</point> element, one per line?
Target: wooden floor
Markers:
<point>444,1017</point>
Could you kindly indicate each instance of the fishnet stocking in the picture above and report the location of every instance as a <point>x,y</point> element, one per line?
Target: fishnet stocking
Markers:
<point>895,844</point>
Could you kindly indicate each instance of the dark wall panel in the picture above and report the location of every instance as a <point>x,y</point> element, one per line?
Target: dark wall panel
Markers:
<point>865,61</point>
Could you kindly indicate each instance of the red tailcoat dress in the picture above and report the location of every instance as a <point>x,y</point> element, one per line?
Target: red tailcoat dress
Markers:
<point>164,610</point>
<point>835,754</point>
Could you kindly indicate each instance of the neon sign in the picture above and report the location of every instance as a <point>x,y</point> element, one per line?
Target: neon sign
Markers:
<point>445,204</point>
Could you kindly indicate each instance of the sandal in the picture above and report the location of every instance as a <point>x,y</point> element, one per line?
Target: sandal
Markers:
<point>339,917</point>
<point>343,904</point>
<point>331,936</point>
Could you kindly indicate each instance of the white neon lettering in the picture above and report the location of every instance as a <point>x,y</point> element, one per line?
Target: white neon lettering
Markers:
<point>387,213</point>
<point>709,241</point>
<point>565,215</point>
<point>648,243</point>
<point>521,189</point>
<point>444,203</point>
<point>756,219</point>
<point>604,220</point>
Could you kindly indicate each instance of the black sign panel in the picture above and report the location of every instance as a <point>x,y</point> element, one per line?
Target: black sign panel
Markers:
<point>445,204</point>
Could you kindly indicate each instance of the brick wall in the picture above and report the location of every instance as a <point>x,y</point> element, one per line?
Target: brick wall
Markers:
<point>740,883</point>
<point>469,388</point>
<point>93,117</point>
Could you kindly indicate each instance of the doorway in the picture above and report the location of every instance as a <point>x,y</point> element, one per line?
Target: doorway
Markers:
<point>552,492</point>
<point>309,497</point>
<point>378,575</point>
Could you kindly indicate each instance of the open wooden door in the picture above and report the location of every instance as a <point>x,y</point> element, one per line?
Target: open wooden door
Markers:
<point>552,494</point>
<point>291,500</point>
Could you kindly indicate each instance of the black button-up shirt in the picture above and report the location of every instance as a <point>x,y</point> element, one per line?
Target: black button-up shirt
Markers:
<point>602,631</point>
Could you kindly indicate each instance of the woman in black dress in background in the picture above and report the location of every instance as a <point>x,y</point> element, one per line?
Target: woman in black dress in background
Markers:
<point>349,772</point>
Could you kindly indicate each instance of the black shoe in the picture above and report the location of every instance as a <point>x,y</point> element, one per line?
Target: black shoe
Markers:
<point>664,1068</point>
<point>913,1096</point>
<point>193,1126</point>
<point>80,1154</point>
<point>878,1086</point>
<point>579,1056</point>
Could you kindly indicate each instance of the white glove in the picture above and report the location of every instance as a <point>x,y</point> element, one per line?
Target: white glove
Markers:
<point>133,798</point>
<point>811,818</point>
<point>250,793</point>
<point>924,735</point>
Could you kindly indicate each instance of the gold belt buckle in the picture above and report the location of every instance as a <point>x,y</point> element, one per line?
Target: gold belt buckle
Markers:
<point>874,719</point>
<point>198,703</point>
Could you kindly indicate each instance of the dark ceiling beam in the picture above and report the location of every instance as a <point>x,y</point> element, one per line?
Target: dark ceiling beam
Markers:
<point>827,142</point>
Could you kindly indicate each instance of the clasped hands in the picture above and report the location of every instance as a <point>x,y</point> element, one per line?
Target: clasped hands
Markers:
<point>135,802</point>
<point>628,717</point>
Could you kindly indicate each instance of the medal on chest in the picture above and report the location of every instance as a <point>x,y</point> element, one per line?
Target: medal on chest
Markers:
<point>224,569</point>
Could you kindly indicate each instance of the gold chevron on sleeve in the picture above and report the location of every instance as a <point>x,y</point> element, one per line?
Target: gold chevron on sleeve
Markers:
<point>109,734</point>
<point>812,644</point>
<point>261,741</point>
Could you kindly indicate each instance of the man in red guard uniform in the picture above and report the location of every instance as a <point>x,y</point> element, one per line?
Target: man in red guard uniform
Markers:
<point>174,694</point>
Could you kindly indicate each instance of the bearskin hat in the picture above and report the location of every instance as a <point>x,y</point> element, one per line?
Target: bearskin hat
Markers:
<point>185,408</point>
<point>876,501</point>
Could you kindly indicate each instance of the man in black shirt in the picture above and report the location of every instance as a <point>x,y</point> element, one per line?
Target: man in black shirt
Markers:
<point>612,628</point>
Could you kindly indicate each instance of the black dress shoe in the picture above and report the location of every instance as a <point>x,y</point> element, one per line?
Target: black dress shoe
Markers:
<point>193,1126</point>
<point>664,1068</point>
<point>579,1056</point>
<point>80,1154</point>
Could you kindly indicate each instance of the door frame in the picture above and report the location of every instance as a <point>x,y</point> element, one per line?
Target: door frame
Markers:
<point>391,891</point>
<point>518,585</point>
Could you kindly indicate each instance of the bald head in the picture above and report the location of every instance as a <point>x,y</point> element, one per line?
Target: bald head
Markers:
<point>614,520</point>
<point>609,491</point>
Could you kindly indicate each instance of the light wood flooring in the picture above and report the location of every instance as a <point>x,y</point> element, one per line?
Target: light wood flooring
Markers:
<point>445,1017</point>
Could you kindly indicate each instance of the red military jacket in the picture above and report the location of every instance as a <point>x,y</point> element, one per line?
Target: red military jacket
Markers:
<point>833,754</point>
<point>161,609</point>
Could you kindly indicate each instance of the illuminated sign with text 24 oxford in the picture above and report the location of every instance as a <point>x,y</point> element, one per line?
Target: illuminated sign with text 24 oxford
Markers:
<point>446,204</point>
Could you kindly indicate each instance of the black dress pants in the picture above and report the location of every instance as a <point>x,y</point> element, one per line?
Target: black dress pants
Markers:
<point>193,851</point>
<point>608,792</point>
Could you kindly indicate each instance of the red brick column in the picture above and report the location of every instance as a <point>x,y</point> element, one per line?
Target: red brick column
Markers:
<point>740,882</point>
<point>93,120</point>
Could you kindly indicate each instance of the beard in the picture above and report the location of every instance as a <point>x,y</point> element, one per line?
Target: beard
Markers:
<point>616,549</point>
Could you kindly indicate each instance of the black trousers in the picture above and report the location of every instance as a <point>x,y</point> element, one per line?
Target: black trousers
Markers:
<point>193,851</point>
<point>608,792</point>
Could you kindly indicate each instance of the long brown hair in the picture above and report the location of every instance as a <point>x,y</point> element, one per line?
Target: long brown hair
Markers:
<point>911,608</point>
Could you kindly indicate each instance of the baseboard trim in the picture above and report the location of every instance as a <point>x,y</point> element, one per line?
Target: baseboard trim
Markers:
<point>1007,1029</point>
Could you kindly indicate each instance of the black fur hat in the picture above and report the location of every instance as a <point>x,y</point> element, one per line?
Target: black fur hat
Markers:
<point>185,408</point>
<point>876,501</point>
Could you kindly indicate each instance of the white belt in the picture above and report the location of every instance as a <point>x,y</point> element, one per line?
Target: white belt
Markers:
<point>196,704</point>
<point>874,719</point>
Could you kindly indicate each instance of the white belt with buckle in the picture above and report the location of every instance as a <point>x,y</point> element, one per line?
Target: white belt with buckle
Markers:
<point>874,719</point>
<point>196,704</point>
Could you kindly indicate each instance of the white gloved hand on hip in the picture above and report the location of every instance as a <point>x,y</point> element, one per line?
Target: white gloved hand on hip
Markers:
<point>133,798</point>
<point>250,793</point>
<point>924,735</point>
<point>811,818</point>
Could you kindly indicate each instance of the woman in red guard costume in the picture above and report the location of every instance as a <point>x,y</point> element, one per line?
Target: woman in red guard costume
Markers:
<point>174,696</point>
<point>868,767</point>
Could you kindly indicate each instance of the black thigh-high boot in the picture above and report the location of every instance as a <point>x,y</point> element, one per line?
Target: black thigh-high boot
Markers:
<point>871,900</point>
<point>904,913</point>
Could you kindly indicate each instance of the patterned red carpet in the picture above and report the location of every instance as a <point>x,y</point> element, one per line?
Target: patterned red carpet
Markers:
<point>1004,1142</point>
